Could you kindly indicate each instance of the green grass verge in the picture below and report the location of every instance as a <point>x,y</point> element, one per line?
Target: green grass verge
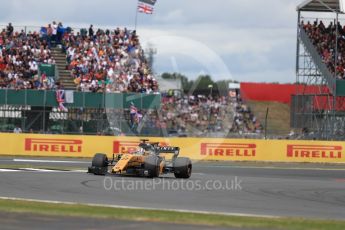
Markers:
<point>166,216</point>
<point>278,116</point>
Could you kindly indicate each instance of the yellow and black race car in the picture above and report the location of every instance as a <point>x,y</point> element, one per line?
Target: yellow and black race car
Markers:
<point>150,160</point>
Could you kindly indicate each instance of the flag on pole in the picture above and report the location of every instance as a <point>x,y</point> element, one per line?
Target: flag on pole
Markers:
<point>144,8</point>
<point>149,2</point>
<point>133,113</point>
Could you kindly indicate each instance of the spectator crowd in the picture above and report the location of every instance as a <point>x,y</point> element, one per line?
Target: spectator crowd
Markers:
<point>201,116</point>
<point>20,55</point>
<point>324,39</point>
<point>99,61</point>
<point>110,61</point>
<point>193,113</point>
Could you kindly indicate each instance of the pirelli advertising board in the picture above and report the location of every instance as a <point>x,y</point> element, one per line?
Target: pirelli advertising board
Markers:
<point>196,149</point>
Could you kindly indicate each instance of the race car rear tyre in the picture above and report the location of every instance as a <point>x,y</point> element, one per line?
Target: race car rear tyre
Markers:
<point>152,166</point>
<point>100,164</point>
<point>183,168</point>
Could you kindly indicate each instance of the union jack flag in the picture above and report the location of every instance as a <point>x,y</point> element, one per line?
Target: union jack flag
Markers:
<point>60,98</point>
<point>144,8</point>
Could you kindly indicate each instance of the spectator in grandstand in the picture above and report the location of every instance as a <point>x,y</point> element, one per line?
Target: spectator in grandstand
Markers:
<point>91,32</point>
<point>37,84</point>
<point>49,35</point>
<point>9,30</point>
<point>17,130</point>
<point>60,32</point>
<point>54,32</point>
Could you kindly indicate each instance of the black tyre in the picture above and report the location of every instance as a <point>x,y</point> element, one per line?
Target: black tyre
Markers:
<point>100,164</point>
<point>100,160</point>
<point>183,168</point>
<point>152,165</point>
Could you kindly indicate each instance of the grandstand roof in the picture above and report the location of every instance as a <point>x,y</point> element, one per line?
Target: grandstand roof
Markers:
<point>322,6</point>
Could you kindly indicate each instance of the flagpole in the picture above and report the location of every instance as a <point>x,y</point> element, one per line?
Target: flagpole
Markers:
<point>136,16</point>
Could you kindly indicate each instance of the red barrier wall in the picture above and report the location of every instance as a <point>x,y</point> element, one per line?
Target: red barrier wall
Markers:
<point>272,92</point>
<point>267,92</point>
<point>282,93</point>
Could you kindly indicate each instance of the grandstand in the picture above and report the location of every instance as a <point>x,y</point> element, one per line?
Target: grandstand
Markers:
<point>90,82</point>
<point>319,103</point>
<point>36,74</point>
<point>106,75</point>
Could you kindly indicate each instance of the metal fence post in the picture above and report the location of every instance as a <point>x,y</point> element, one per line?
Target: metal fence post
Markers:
<point>266,120</point>
<point>26,102</point>
<point>44,110</point>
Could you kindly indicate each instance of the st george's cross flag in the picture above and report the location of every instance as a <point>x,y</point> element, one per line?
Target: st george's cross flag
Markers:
<point>144,8</point>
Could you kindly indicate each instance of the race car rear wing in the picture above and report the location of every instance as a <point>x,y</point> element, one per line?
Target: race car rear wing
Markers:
<point>172,150</point>
<point>154,146</point>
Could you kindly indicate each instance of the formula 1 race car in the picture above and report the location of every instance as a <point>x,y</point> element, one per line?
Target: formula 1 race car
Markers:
<point>150,160</point>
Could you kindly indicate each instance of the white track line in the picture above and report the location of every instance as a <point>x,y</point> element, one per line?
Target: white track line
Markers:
<point>142,208</point>
<point>50,170</point>
<point>40,170</point>
<point>9,170</point>
<point>32,170</point>
<point>50,161</point>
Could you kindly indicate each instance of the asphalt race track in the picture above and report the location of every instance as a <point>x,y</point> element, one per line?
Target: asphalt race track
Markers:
<point>288,190</point>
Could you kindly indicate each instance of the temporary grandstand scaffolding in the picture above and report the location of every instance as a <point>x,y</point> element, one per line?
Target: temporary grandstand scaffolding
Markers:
<point>318,106</point>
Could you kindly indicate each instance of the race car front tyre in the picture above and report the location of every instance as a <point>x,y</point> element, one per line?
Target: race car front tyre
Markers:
<point>152,166</point>
<point>99,164</point>
<point>183,168</point>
